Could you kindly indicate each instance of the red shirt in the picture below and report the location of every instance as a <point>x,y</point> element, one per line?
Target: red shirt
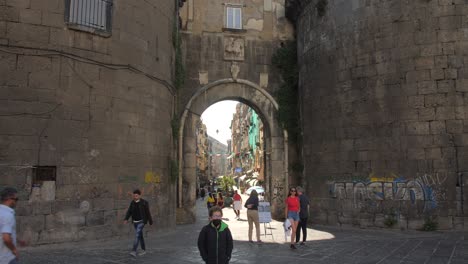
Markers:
<point>293,203</point>
<point>237,197</point>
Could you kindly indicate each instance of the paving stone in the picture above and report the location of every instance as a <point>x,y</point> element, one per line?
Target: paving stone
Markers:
<point>325,245</point>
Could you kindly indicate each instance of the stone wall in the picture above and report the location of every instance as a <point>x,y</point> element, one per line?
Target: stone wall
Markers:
<point>96,106</point>
<point>384,110</point>
<point>210,49</point>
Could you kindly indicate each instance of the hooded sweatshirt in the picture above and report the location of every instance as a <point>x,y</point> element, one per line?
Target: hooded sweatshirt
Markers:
<point>215,244</point>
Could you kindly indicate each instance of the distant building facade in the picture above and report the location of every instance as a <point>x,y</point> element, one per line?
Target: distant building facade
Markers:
<point>218,156</point>
<point>248,153</point>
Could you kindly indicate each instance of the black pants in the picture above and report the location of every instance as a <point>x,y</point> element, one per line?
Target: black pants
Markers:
<point>302,225</point>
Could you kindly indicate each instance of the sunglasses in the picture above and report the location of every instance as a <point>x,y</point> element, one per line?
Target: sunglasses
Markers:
<point>16,199</point>
<point>293,190</point>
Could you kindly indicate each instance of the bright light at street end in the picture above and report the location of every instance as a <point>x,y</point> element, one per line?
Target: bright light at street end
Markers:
<point>217,119</point>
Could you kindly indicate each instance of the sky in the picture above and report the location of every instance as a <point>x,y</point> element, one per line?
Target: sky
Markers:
<point>218,117</point>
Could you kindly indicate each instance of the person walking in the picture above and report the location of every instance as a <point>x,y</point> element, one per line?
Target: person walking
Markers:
<point>202,194</point>
<point>237,204</point>
<point>292,213</point>
<point>215,241</point>
<point>8,250</point>
<point>220,200</point>
<point>141,215</point>
<point>210,201</point>
<point>303,216</point>
<point>252,215</point>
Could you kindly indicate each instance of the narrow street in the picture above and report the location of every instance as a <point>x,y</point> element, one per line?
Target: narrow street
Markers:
<point>325,245</point>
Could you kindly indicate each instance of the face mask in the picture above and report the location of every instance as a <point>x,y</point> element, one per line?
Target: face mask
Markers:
<point>216,222</point>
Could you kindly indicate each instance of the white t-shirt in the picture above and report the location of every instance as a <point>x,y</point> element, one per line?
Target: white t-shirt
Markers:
<point>8,226</point>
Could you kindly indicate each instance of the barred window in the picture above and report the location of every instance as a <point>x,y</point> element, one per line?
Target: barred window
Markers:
<point>44,173</point>
<point>233,17</point>
<point>89,15</point>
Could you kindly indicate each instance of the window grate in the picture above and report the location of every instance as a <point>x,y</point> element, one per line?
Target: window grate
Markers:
<point>44,173</point>
<point>89,15</point>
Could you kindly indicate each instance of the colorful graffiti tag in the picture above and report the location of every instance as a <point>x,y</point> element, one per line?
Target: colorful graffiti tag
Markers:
<point>422,188</point>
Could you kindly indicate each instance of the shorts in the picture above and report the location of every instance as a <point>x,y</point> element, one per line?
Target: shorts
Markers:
<point>237,205</point>
<point>293,215</point>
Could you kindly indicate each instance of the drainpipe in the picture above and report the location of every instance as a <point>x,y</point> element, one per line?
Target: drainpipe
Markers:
<point>286,173</point>
<point>180,165</point>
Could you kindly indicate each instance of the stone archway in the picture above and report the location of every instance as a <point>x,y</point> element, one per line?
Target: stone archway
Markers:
<point>276,138</point>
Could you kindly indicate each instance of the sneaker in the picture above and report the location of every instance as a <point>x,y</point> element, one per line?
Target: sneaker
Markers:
<point>142,253</point>
<point>133,254</point>
<point>293,246</point>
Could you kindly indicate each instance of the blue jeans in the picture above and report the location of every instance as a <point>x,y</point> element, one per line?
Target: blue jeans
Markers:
<point>14,261</point>
<point>139,236</point>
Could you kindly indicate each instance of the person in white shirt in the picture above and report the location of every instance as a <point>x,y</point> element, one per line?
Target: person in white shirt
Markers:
<point>8,251</point>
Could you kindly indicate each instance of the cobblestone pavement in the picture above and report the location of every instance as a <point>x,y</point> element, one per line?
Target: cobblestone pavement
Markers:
<point>325,245</point>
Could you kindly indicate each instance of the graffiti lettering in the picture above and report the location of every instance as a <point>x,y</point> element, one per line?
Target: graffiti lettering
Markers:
<point>378,191</point>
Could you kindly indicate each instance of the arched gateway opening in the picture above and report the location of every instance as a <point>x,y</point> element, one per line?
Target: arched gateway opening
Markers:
<point>276,140</point>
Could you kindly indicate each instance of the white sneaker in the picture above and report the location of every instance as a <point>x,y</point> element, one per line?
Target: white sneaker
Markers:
<point>142,253</point>
<point>133,254</point>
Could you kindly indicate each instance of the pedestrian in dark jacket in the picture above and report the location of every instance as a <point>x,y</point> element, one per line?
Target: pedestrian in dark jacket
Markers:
<point>215,240</point>
<point>141,215</point>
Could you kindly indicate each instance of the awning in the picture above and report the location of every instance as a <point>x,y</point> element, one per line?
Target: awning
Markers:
<point>252,182</point>
<point>255,175</point>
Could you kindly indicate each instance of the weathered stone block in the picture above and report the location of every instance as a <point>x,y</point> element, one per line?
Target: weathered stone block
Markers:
<point>30,16</point>
<point>425,62</point>
<point>445,86</point>
<point>415,76</point>
<point>58,235</point>
<point>54,20</point>
<point>61,206</point>
<point>40,208</point>
<point>34,223</point>
<point>417,128</point>
<point>96,232</point>
<point>462,85</point>
<point>427,87</point>
<point>48,5</point>
<point>24,208</point>
<point>48,191</point>
<point>95,218</point>
<point>27,32</point>
<point>414,154</point>
<point>437,127</point>
<point>454,126</point>
<point>9,14</point>
<point>66,219</point>
<point>437,74</point>
<point>451,73</point>
<point>445,223</point>
<point>445,112</point>
<point>102,204</point>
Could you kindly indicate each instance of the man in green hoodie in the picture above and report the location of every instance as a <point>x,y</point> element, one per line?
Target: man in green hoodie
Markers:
<point>215,240</point>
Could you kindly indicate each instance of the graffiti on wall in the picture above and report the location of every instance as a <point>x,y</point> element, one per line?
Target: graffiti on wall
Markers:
<point>424,187</point>
<point>278,191</point>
